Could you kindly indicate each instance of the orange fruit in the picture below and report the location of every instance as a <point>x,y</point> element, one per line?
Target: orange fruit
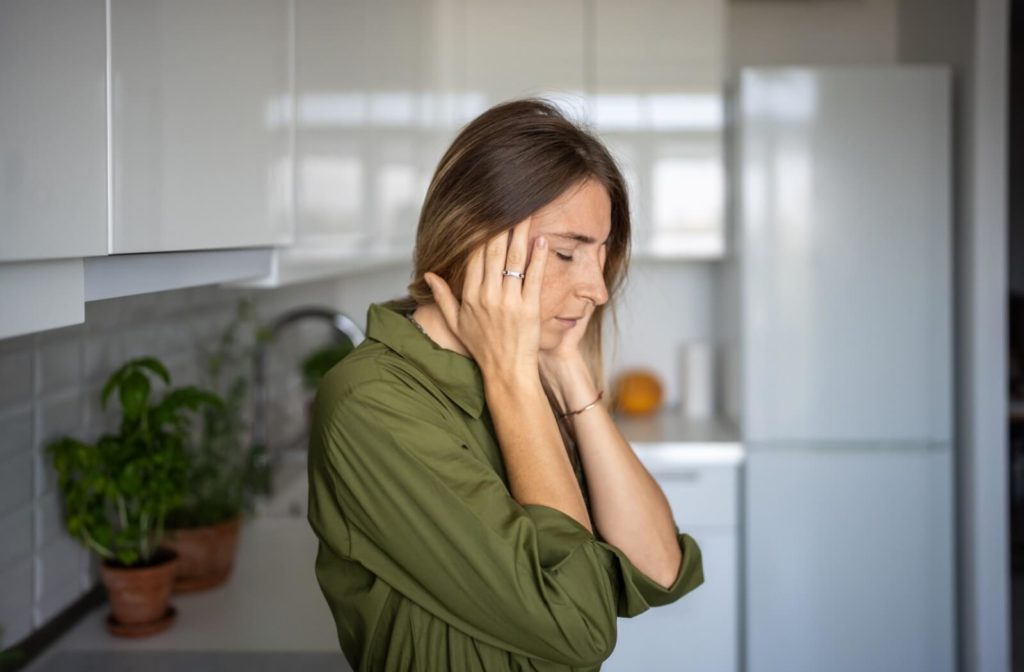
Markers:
<point>637,392</point>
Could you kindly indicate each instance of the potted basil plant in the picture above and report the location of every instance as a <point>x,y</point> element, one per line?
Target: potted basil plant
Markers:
<point>117,492</point>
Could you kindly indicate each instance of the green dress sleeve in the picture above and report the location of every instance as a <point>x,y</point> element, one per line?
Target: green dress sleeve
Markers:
<point>433,520</point>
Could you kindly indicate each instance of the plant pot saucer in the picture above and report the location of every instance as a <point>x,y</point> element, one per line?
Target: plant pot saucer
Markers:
<point>119,629</point>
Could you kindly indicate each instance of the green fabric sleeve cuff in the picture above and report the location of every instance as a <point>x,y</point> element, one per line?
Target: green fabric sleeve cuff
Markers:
<point>558,534</point>
<point>691,575</point>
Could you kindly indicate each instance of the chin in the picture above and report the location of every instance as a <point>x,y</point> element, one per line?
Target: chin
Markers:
<point>549,340</point>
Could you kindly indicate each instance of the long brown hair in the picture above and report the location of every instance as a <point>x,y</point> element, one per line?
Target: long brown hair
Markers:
<point>503,166</point>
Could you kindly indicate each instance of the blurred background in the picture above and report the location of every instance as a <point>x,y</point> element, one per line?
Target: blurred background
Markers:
<point>819,353</point>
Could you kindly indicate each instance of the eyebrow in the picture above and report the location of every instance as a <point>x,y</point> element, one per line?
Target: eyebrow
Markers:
<point>583,238</point>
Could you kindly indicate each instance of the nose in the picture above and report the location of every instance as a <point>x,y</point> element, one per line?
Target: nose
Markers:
<point>591,285</point>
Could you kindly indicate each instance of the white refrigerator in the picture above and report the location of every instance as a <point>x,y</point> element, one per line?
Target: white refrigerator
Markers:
<point>841,369</point>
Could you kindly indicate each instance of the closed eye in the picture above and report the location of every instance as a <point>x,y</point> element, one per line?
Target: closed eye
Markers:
<point>563,257</point>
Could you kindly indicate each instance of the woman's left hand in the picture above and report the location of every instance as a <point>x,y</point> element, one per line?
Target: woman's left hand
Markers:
<point>562,365</point>
<point>569,347</point>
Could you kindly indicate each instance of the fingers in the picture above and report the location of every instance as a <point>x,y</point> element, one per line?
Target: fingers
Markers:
<point>494,263</point>
<point>515,258</point>
<point>471,284</point>
<point>535,273</point>
<point>446,301</point>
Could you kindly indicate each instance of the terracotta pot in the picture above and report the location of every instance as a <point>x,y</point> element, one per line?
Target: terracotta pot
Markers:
<point>139,596</point>
<point>206,555</point>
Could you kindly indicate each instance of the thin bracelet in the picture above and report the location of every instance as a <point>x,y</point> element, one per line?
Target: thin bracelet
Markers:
<point>590,405</point>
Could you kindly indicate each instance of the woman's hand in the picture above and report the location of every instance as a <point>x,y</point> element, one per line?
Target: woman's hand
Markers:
<point>564,368</point>
<point>498,319</point>
<point>569,348</point>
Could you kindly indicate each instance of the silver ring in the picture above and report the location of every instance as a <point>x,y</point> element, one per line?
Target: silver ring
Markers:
<point>514,274</point>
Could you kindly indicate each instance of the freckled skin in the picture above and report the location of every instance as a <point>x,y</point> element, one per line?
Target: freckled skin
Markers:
<point>569,286</point>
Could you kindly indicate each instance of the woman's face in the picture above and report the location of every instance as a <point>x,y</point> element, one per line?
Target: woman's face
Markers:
<point>574,273</point>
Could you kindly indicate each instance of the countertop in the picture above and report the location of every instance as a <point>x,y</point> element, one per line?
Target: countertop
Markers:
<point>667,440</point>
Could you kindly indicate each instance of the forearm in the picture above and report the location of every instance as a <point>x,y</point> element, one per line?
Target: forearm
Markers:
<point>622,491</point>
<point>539,471</point>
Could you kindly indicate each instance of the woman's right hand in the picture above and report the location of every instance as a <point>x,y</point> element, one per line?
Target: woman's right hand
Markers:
<point>498,319</point>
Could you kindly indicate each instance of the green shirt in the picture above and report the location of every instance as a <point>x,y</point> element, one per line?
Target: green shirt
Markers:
<point>426,560</point>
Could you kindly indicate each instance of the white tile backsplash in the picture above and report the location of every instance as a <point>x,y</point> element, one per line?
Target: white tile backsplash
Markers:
<point>16,531</point>
<point>49,518</point>
<point>15,482</point>
<point>60,364</point>
<point>57,563</point>
<point>16,374</point>
<point>16,430</point>
<point>16,600</point>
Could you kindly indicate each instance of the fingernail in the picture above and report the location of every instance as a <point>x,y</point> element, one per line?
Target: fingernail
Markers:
<point>542,242</point>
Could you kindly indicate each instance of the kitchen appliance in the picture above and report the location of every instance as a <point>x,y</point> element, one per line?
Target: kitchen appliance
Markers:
<point>842,287</point>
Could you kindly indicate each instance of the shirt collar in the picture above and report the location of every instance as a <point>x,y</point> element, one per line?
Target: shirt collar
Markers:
<point>458,376</point>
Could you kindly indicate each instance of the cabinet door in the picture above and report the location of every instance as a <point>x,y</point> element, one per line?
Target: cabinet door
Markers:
<point>700,631</point>
<point>656,98</point>
<point>53,129</point>
<point>362,72</point>
<point>201,117</point>
<point>515,49</point>
<point>846,235</point>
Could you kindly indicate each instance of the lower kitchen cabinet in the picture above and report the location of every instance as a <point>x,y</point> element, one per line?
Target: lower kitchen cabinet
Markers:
<point>698,632</point>
<point>849,556</point>
<point>701,630</point>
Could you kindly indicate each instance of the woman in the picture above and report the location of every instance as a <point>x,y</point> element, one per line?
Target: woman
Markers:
<point>476,507</point>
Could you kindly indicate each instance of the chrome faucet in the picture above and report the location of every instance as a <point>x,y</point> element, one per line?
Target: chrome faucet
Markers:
<point>341,323</point>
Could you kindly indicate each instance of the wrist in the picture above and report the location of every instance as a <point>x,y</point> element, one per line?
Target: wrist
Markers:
<point>511,379</point>
<point>571,382</point>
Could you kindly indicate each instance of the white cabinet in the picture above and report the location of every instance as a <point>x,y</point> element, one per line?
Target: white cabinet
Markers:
<point>656,92</point>
<point>698,632</point>
<point>511,50</point>
<point>361,82</point>
<point>53,130</point>
<point>366,138</point>
<point>53,158</point>
<point>701,630</point>
<point>201,120</point>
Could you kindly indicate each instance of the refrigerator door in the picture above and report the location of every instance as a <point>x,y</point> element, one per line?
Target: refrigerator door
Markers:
<point>849,558</point>
<point>843,236</point>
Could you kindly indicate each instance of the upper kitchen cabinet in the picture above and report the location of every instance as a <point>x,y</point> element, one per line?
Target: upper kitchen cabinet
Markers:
<point>53,129</point>
<point>531,47</point>
<point>361,72</point>
<point>362,123</point>
<point>201,124</point>
<point>655,83</point>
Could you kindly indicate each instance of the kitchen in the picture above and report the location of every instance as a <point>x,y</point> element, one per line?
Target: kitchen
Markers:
<point>274,154</point>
